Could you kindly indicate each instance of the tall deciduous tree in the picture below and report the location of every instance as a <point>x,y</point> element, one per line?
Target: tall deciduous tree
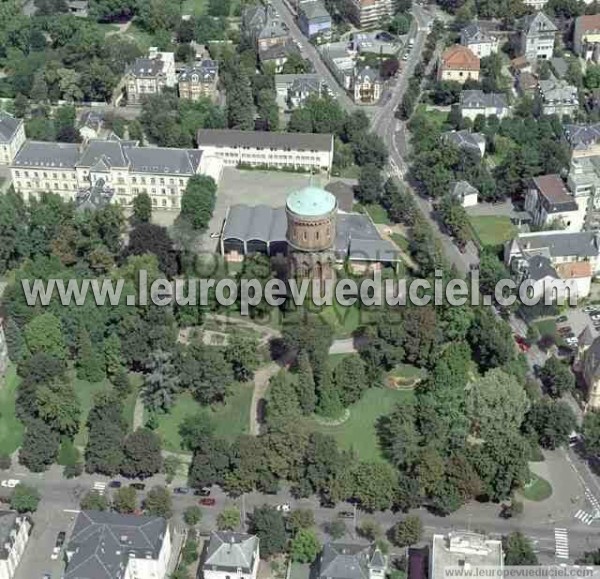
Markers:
<point>305,384</point>
<point>141,454</point>
<point>142,208</point>
<point>242,354</point>
<point>269,525</point>
<point>44,334</point>
<point>158,502</point>
<point>198,201</point>
<point>496,403</point>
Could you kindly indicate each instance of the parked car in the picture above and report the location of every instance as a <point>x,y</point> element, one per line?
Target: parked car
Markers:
<point>284,508</point>
<point>562,319</point>
<point>181,490</point>
<point>565,330</point>
<point>10,483</point>
<point>573,438</point>
<point>202,492</point>
<point>60,541</point>
<point>589,309</point>
<point>115,484</point>
<point>207,502</point>
<point>138,486</point>
<point>595,316</point>
<point>346,514</point>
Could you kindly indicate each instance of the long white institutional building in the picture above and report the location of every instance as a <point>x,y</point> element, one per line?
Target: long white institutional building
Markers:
<point>305,151</point>
<point>125,168</point>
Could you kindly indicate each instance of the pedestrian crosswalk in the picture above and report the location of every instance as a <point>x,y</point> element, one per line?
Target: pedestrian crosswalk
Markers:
<point>593,500</point>
<point>561,538</point>
<point>584,517</point>
<point>100,487</point>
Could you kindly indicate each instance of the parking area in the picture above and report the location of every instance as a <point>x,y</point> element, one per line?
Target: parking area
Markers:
<point>253,188</point>
<point>574,321</point>
<point>37,560</point>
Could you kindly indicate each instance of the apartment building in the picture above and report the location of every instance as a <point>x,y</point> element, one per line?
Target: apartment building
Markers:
<point>479,41</point>
<point>464,550</point>
<point>14,535</point>
<point>351,561</point>
<point>313,19</point>
<point>303,151</point>
<point>199,80</point>
<point>558,97</point>
<point>231,554</point>
<point>586,37</point>
<point>475,102</point>
<point>293,89</point>
<point>123,166</point>
<point>263,25</point>
<point>12,137</point>
<point>119,546</point>
<point>367,86</point>
<point>537,36</point>
<point>583,140</point>
<point>365,13</point>
<point>149,75</point>
<point>551,205</point>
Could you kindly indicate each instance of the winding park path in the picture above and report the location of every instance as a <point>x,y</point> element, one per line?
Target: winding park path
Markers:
<point>263,374</point>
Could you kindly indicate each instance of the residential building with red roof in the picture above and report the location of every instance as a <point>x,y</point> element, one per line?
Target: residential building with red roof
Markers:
<point>459,64</point>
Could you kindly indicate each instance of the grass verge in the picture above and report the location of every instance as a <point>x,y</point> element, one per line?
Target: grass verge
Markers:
<point>493,229</point>
<point>11,429</point>
<point>537,489</point>
<point>359,431</point>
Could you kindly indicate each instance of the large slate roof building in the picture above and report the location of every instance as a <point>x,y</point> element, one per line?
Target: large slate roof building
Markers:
<point>230,553</point>
<point>107,545</point>
<point>351,561</point>
<point>126,168</point>
<point>12,137</point>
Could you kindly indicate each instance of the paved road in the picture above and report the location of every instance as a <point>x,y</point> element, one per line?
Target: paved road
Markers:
<point>60,503</point>
<point>310,52</point>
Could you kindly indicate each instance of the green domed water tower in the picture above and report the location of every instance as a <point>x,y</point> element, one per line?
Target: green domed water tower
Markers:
<point>311,214</point>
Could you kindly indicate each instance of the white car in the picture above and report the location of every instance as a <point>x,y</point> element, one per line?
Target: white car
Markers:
<point>590,309</point>
<point>10,483</point>
<point>285,508</point>
<point>595,317</point>
<point>55,555</point>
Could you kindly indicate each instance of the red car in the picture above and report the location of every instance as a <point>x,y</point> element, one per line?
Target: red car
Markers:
<point>207,502</point>
<point>522,343</point>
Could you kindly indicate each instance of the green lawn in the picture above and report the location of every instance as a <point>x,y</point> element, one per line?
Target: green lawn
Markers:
<point>231,419</point>
<point>343,319</point>
<point>108,27</point>
<point>537,489</point>
<point>493,229</point>
<point>378,214</point>
<point>143,39</point>
<point>358,432</point>
<point>195,7</point>
<point>351,172</point>
<point>11,429</point>
<point>400,241</point>
<point>85,392</point>
<point>439,117</point>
